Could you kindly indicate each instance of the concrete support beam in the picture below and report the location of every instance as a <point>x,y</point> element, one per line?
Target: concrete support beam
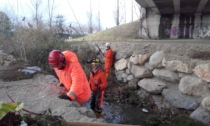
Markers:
<point>201,5</point>
<point>197,25</point>
<point>176,6</point>
<point>142,3</point>
<point>175,27</point>
<point>152,6</point>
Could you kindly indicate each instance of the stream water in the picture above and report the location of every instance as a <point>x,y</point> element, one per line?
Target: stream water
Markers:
<point>123,114</point>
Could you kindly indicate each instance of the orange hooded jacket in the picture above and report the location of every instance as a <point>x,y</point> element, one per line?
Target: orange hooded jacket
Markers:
<point>108,60</point>
<point>74,79</point>
<point>100,78</point>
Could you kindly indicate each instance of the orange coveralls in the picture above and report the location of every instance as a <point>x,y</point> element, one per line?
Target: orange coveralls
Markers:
<point>98,84</point>
<point>74,79</point>
<point>108,61</point>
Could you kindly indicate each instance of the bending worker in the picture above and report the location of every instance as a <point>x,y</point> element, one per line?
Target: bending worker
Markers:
<point>108,55</point>
<point>98,84</point>
<point>71,75</point>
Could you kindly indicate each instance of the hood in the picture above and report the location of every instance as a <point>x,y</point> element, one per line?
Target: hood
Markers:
<point>70,56</point>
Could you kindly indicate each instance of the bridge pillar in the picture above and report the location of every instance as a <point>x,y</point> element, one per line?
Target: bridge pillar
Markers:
<point>174,34</point>
<point>197,26</point>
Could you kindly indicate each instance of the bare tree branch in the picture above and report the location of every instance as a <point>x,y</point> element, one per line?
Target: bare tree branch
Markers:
<point>75,17</point>
<point>50,11</point>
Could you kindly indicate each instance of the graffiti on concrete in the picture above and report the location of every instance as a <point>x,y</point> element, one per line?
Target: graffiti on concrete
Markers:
<point>186,28</point>
<point>165,26</point>
<point>193,32</point>
<point>174,31</point>
<point>202,32</point>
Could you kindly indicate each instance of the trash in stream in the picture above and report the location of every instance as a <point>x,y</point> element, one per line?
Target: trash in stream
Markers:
<point>144,110</point>
<point>31,70</point>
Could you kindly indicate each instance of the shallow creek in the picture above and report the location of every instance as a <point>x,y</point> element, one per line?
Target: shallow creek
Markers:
<point>123,114</point>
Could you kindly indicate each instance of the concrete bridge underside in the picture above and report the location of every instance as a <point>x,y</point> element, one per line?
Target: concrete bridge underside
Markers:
<point>177,18</point>
<point>177,6</point>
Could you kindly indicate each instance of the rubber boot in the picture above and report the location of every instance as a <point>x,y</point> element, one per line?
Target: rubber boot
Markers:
<point>98,114</point>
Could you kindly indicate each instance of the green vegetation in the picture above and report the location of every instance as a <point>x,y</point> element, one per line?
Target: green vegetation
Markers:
<point>186,121</point>
<point>10,107</point>
<point>45,119</point>
<point>130,96</point>
<point>83,51</point>
<point>5,25</point>
<point>153,120</point>
<point>12,114</point>
<point>16,75</point>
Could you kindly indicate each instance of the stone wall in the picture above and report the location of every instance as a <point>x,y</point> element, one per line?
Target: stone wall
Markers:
<point>177,83</point>
<point>164,71</point>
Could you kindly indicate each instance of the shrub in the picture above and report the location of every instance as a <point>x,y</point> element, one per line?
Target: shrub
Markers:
<point>38,55</point>
<point>130,96</point>
<point>186,121</point>
<point>153,120</point>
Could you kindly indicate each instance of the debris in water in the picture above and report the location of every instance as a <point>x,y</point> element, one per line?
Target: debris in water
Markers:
<point>144,110</point>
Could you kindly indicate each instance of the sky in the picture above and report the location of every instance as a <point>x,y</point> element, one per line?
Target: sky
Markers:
<point>74,11</point>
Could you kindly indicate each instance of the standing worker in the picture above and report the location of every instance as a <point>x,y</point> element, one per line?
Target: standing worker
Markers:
<point>71,75</point>
<point>98,84</point>
<point>108,55</point>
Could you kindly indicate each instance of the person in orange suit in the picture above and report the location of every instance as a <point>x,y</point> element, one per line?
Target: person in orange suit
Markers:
<point>71,75</point>
<point>98,84</point>
<point>108,55</point>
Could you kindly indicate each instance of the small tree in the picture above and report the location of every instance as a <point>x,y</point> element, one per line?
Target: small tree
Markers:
<point>99,17</point>
<point>50,11</point>
<point>90,19</point>
<point>5,24</point>
<point>59,23</point>
<point>5,30</point>
<point>117,13</point>
<point>36,4</point>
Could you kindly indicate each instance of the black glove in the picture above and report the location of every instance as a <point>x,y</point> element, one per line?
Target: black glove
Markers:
<point>101,53</point>
<point>61,85</point>
<point>89,61</point>
<point>64,96</point>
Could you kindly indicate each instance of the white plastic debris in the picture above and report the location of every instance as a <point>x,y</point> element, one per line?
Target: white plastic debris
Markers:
<point>23,123</point>
<point>31,70</point>
<point>36,68</point>
<point>144,110</point>
<point>27,71</point>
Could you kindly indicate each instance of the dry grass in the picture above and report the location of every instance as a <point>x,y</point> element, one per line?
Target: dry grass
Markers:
<point>118,33</point>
